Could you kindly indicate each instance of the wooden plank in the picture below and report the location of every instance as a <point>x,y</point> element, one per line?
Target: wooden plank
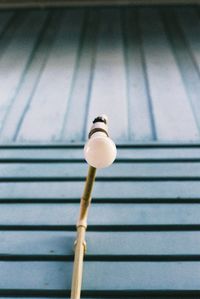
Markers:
<point>80,92</point>
<point>184,55</point>
<point>190,27</point>
<point>102,190</point>
<point>100,214</point>
<point>108,90</point>
<point>118,170</point>
<point>122,276</point>
<point>77,153</point>
<point>172,121</point>
<point>5,18</point>
<point>60,243</point>
<point>139,116</point>
<point>22,100</point>
<point>14,60</point>
<point>54,84</point>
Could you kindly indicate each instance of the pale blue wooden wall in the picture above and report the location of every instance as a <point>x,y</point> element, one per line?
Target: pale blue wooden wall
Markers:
<point>144,229</point>
<point>59,68</point>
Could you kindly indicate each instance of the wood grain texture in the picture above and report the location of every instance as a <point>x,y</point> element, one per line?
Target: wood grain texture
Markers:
<point>56,214</point>
<point>59,244</point>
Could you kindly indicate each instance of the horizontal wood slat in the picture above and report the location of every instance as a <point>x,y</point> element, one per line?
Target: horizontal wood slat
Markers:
<point>123,153</point>
<point>107,190</point>
<point>69,171</point>
<point>107,244</point>
<point>132,275</point>
<point>100,214</point>
<point>143,229</point>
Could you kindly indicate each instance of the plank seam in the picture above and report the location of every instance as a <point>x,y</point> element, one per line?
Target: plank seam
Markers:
<point>63,145</point>
<point>75,71</point>
<point>91,79</point>
<point>146,80</point>
<point>40,38</point>
<point>99,179</point>
<point>169,35</point>
<point>105,228</point>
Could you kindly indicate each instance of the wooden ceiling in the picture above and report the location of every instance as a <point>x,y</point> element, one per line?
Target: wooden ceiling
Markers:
<point>138,65</point>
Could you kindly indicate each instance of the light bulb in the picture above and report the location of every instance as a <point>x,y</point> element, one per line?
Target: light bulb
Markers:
<point>100,151</point>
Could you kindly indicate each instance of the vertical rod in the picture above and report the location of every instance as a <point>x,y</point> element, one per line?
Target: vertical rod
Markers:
<point>80,244</point>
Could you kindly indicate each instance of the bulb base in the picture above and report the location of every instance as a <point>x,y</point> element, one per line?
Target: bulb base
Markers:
<point>100,151</point>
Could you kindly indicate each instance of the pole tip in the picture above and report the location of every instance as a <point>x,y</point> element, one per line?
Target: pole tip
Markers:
<point>102,118</point>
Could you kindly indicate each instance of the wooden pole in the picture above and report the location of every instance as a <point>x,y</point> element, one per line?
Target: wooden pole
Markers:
<point>80,244</point>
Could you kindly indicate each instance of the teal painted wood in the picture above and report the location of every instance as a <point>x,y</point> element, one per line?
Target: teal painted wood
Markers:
<point>139,112</point>
<point>78,171</point>
<point>190,30</point>
<point>132,276</point>
<point>105,245</point>
<point>164,77</point>
<point>47,105</point>
<point>13,63</point>
<point>23,99</point>
<point>116,190</point>
<point>67,153</point>
<point>143,233</point>
<point>82,83</point>
<point>184,57</point>
<point>56,214</point>
<point>108,91</point>
<point>145,77</point>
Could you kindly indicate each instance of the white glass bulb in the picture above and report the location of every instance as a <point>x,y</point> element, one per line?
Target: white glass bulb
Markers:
<point>100,151</point>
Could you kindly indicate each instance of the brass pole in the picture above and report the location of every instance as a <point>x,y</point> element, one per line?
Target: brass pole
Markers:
<point>80,244</point>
